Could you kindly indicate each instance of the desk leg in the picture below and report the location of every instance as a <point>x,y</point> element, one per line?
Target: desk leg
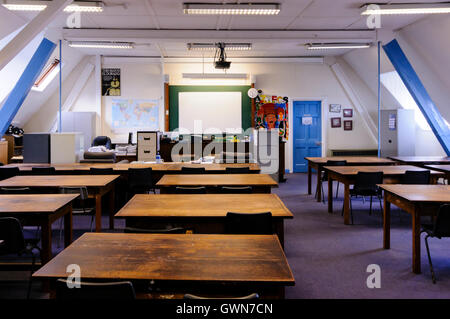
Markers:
<point>98,213</point>
<point>386,223</point>
<point>416,241</point>
<point>319,184</point>
<point>279,230</point>
<point>46,238</point>
<point>68,227</point>
<point>309,178</point>
<point>330,194</point>
<point>112,207</point>
<point>346,204</point>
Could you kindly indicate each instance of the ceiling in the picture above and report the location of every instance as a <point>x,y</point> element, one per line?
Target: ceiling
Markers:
<point>161,29</point>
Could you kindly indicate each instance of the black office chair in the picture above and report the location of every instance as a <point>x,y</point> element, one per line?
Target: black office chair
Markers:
<point>43,170</point>
<point>8,172</point>
<point>236,190</point>
<point>101,171</point>
<point>325,176</point>
<point>251,223</point>
<point>251,296</point>
<point>366,185</point>
<point>238,170</point>
<point>15,190</point>
<point>122,290</point>
<point>440,229</point>
<point>193,170</point>
<point>140,181</point>
<point>169,230</point>
<point>416,177</point>
<point>102,141</point>
<point>14,242</point>
<point>190,190</point>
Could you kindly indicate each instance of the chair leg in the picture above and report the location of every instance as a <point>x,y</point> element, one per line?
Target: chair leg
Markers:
<point>351,209</point>
<point>60,232</point>
<point>370,209</point>
<point>337,190</point>
<point>92,222</point>
<point>433,277</point>
<point>323,195</point>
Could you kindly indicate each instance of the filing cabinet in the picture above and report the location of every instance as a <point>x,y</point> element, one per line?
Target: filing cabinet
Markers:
<point>147,146</point>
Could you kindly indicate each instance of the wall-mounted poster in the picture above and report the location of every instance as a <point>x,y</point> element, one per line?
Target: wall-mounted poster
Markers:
<point>335,108</point>
<point>348,125</point>
<point>271,113</point>
<point>335,122</point>
<point>347,112</point>
<point>111,82</point>
<point>128,114</point>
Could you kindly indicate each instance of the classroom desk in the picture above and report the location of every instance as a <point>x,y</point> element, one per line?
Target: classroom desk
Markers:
<point>441,168</point>
<point>261,183</point>
<point>347,174</point>
<point>98,186</point>
<point>178,263</point>
<point>421,160</point>
<point>318,163</point>
<point>417,200</point>
<point>38,210</point>
<point>204,214</point>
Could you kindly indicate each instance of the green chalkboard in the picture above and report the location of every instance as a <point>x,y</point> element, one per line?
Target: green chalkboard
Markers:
<point>173,101</point>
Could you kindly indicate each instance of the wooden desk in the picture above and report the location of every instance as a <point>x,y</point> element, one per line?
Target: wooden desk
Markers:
<point>417,200</point>
<point>261,183</point>
<point>98,186</point>
<point>178,263</point>
<point>421,160</point>
<point>441,168</point>
<point>318,163</point>
<point>38,210</point>
<point>347,174</point>
<point>203,214</point>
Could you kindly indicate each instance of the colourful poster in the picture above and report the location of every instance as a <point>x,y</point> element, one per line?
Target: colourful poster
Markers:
<point>271,113</point>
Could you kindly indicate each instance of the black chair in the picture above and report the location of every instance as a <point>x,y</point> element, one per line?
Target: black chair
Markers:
<point>8,172</point>
<point>251,296</point>
<point>251,223</point>
<point>169,230</point>
<point>440,229</point>
<point>102,141</point>
<point>15,190</point>
<point>325,176</point>
<point>193,170</point>
<point>140,181</point>
<point>14,242</point>
<point>236,190</point>
<point>101,171</point>
<point>416,177</point>
<point>366,185</point>
<point>43,170</point>
<point>238,170</point>
<point>190,190</point>
<point>121,290</point>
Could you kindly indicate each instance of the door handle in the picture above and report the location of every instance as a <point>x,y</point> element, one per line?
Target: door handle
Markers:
<point>318,143</point>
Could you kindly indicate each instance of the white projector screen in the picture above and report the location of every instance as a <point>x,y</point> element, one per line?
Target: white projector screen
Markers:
<point>220,110</point>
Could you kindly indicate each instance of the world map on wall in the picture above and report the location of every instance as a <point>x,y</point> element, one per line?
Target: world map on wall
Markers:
<point>141,114</point>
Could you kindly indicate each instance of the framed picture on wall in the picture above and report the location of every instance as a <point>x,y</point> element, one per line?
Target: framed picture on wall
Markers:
<point>336,122</point>
<point>335,108</point>
<point>348,125</point>
<point>347,112</point>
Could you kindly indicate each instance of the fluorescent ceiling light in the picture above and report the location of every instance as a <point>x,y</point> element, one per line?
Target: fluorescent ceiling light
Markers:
<point>406,8</point>
<point>215,75</point>
<point>76,6</point>
<point>331,46</point>
<point>101,45</point>
<point>232,8</point>
<point>213,46</point>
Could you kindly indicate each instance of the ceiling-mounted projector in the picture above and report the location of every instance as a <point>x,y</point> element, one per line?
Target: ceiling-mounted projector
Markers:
<point>220,58</point>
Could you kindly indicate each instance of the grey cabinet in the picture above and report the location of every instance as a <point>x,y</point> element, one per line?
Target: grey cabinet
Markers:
<point>398,132</point>
<point>83,122</point>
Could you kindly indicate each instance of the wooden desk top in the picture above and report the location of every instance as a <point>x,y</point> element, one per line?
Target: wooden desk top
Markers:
<point>422,159</point>
<point>440,168</point>
<point>209,205</point>
<point>168,166</point>
<point>351,159</point>
<point>386,169</point>
<point>420,193</point>
<point>217,180</point>
<point>59,181</point>
<point>179,257</point>
<point>48,203</point>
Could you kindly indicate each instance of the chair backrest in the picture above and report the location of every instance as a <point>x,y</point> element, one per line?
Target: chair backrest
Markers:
<point>102,140</point>
<point>43,170</point>
<point>236,190</point>
<point>7,172</point>
<point>442,224</point>
<point>251,296</point>
<point>251,223</point>
<point>193,170</point>
<point>173,230</point>
<point>15,190</point>
<point>101,171</point>
<point>416,177</point>
<point>140,177</point>
<point>238,170</point>
<point>83,191</point>
<point>123,290</point>
<point>12,235</point>
<point>333,163</point>
<point>368,180</point>
<point>190,190</point>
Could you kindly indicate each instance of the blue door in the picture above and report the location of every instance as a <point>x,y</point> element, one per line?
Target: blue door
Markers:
<point>307,133</point>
